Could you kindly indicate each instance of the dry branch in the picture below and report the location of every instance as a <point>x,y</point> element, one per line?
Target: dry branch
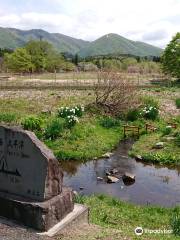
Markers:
<point>115,93</point>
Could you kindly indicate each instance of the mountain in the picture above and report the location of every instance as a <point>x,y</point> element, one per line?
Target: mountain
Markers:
<point>116,44</point>
<point>108,44</point>
<point>13,38</point>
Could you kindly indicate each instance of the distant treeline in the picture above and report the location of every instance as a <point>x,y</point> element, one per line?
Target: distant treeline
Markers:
<point>40,56</point>
<point>5,50</point>
<point>120,62</point>
<point>123,56</point>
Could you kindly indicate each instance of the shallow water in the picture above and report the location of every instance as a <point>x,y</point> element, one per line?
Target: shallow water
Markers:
<point>153,184</point>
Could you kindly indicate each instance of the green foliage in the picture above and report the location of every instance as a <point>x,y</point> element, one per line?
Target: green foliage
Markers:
<point>133,115</point>
<point>68,66</point>
<point>54,62</point>
<point>145,147</point>
<point>128,62</point>
<point>87,66</point>
<point>161,157</point>
<point>150,112</point>
<point>175,222</point>
<point>77,111</point>
<point>109,122</point>
<point>85,140</point>
<point>36,56</point>
<point>149,67</point>
<point>8,117</point>
<point>71,121</point>
<point>112,64</point>
<point>178,102</point>
<point>166,131</point>
<point>4,50</point>
<point>19,61</point>
<point>71,115</point>
<point>76,59</point>
<point>150,101</point>
<point>32,123</point>
<point>65,111</point>
<point>177,139</point>
<point>44,56</point>
<point>170,58</point>
<point>54,129</point>
<point>79,199</point>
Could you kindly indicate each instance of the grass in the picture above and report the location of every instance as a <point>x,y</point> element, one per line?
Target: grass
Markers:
<point>178,102</point>
<point>91,138</point>
<point>61,76</point>
<point>112,213</point>
<point>25,103</point>
<point>87,140</point>
<point>19,107</point>
<point>145,147</point>
<point>8,117</point>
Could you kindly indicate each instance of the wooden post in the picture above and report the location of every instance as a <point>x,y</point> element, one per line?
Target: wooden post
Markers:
<point>138,131</point>
<point>124,127</point>
<point>146,128</point>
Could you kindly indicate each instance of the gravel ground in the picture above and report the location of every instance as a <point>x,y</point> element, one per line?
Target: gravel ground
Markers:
<point>11,231</point>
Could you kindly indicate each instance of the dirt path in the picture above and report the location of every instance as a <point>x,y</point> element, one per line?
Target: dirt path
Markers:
<point>168,107</point>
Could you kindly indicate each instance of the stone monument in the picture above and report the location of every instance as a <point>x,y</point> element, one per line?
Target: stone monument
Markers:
<point>31,181</point>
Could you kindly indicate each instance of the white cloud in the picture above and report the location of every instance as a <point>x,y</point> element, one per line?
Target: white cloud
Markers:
<point>9,20</point>
<point>153,21</point>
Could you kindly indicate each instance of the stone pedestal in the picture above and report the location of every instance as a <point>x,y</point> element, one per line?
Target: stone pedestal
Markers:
<point>31,181</point>
<point>38,215</point>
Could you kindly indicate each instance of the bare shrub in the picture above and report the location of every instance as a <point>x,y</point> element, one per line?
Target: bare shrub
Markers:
<point>115,93</point>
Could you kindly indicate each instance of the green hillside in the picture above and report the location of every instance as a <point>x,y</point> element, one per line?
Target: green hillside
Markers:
<point>13,38</point>
<point>108,44</point>
<point>115,44</point>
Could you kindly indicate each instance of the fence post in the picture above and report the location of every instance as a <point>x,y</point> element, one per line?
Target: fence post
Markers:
<point>124,131</point>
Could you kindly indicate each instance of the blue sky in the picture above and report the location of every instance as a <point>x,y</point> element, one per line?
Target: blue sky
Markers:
<point>151,21</point>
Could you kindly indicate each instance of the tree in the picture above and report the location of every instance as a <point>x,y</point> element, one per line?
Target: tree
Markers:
<point>129,61</point>
<point>36,56</point>
<point>76,59</point>
<point>115,94</point>
<point>5,50</point>
<point>54,62</point>
<point>39,51</point>
<point>171,57</point>
<point>45,57</point>
<point>19,61</point>
<point>69,66</point>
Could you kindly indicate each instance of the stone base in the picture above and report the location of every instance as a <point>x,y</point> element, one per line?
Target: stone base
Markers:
<point>75,219</point>
<point>38,215</point>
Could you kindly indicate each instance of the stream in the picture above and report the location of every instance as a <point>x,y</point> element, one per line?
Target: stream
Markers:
<point>153,185</point>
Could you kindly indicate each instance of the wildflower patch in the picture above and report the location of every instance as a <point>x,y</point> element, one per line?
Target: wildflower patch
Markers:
<point>71,115</point>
